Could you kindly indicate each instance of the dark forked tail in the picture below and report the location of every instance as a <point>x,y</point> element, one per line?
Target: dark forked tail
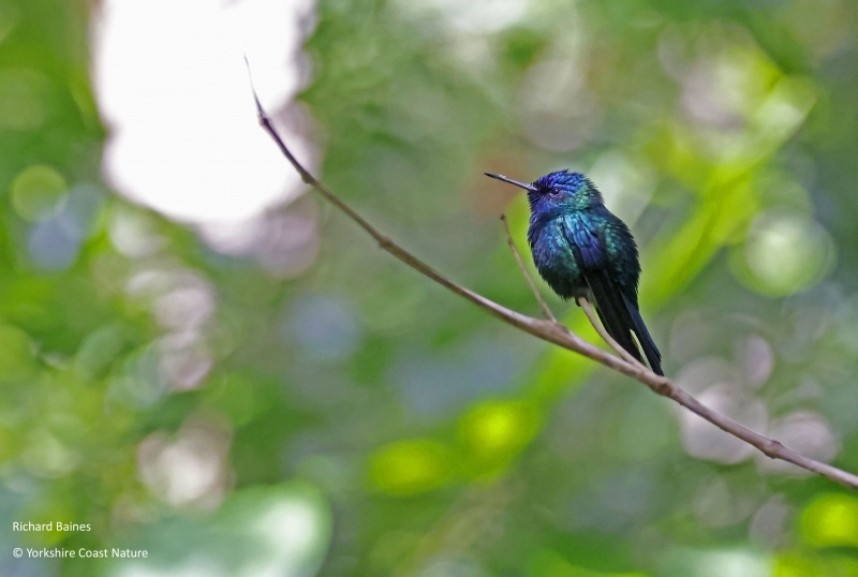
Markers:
<point>653,356</point>
<point>621,319</point>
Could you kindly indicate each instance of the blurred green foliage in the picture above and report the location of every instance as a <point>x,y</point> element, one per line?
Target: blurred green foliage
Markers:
<point>354,419</point>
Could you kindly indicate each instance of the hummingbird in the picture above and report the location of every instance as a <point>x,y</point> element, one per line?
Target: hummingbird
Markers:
<point>582,250</point>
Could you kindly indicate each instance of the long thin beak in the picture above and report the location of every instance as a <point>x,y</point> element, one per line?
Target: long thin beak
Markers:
<point>502,178</point>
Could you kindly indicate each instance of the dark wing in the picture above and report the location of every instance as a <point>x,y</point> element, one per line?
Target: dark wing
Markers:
<point>616,310</point>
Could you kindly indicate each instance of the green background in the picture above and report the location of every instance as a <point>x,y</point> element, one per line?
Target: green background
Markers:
<point>354,419</point>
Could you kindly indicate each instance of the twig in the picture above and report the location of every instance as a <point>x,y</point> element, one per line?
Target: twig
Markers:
<point>555,333</point>
<point>546,311</point>
<point>591,316</point>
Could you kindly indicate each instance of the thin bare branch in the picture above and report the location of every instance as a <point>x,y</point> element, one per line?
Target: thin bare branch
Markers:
<point>546,311</point>
<point>557,334</point>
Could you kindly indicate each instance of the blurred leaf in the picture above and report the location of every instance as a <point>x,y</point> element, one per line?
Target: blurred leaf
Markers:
<point>831,520</point>
<point>413,466</point>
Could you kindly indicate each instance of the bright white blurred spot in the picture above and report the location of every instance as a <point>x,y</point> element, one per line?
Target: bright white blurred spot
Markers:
<point>715,91</point>
<point>188,306</point>
<point>787,252</point>
<point>189,470</point>
<point>699,374</point>
<point>735,563</point>
<point>197,566</point>
<point>184,360</point>
<point>173,89</point>
<point>184,303</point>
<point>133,234</point>
<point>290,527</point>
<point>151,282</point>
<point>705,441</point>
<point>627,184</point>
<point>183,300</point>
<point>276,530</point>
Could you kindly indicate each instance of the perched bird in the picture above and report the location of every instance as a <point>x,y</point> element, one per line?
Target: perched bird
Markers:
<point>581,249</point>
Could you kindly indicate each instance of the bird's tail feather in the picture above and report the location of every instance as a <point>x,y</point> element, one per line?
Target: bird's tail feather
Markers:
<point>621,318</point>
<point>653,356</point>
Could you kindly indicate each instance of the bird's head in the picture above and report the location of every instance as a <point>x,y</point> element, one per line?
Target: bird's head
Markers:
<point>557,191</point>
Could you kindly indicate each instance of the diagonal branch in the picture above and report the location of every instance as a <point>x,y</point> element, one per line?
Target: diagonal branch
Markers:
<point>559,335</point>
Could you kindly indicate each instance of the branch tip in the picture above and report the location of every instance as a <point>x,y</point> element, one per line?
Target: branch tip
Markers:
<point>260,113</point>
